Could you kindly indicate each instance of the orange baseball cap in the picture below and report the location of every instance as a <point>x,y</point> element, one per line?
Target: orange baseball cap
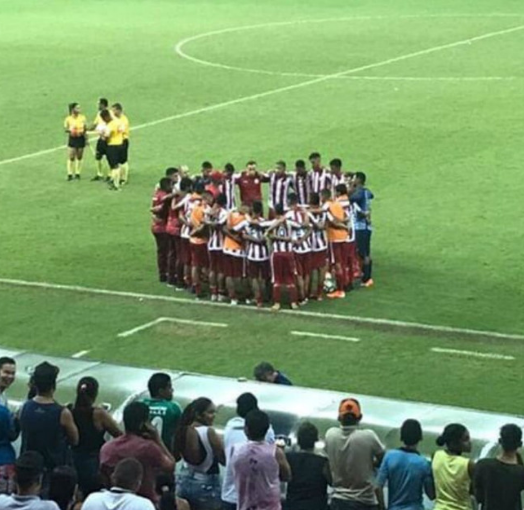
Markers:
<point>350,406</point>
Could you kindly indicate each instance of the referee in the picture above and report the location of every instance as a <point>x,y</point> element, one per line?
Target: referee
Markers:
<point>101,145</point>
<point>114,136</point>
<point>75,125</point>
<point>118,113</point>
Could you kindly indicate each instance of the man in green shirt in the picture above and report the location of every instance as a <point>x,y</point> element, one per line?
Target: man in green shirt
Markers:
<point>163,412</point>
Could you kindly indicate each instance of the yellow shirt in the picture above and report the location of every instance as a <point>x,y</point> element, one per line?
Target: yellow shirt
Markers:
<point>115,134</point>
<point>452,481</point>
<point>125,123</point>
<point>76,125</point>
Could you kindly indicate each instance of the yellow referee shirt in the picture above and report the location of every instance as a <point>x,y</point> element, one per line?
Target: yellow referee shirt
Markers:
<point>115,132</point>
<point>76,125</point>
<point>125,123</point>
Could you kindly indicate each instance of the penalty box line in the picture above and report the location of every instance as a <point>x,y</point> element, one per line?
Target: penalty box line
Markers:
<point>148,325</point>
<point>297,313</point>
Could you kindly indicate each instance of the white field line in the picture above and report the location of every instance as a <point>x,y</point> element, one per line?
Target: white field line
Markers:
<point>188,301</point>
<point>147,325</point>
<point>80,354</point>
<point>473,354</point>
<point>343,74</point>
<point>254,97</point>
<point>321,335</point>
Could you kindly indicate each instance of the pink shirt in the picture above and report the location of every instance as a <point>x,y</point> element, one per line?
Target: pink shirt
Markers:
<point>256,473</point>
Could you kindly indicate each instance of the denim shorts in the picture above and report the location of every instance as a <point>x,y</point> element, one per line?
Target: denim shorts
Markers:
<point>202,491</point>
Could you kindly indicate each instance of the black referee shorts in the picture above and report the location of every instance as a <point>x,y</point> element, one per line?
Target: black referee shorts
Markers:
<point>124,152</point>
<point>114,155</point>
<point>76,142</point>
<point>101,149</point>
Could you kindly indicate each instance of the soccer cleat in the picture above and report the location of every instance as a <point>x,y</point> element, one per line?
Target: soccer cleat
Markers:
<point>337,294</point>
<point>97,178</point>
<point>249,302</point>
<point>276,307</point>
<point>303,302</point>
<point>294,306</point>
<point>77,177</point>
<point>368,284</point>
<point>222,298</point>
<point>234,302</point>
<point>69,177</point>
<point>214,297</point>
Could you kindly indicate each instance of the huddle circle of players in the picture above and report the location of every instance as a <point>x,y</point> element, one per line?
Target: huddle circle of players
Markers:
<point>112,127</point>
<point>315,239</point>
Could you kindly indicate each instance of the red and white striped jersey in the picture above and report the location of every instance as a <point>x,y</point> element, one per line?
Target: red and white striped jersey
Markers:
<point>350,215</point>
<point>278,189</point>
<point>318,237</point>
<point>319,180</point>
<point>337,179</point>
<point>216,236</point>
<point>298,217</point>
<point>228,188</point>
<point>185,212</point>
<point>301,185</point>
<point>284,229</point>
<point>257,252</point>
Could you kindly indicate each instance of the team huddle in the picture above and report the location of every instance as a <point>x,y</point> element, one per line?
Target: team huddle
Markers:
<point>318,226</point>
<point>111,126</point>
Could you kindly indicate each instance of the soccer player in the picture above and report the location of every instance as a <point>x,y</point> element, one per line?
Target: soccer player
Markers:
<point>198,241</point>
<point>361,198</point>
<point>250,184</point>
<point>215,220</point>
<point>114,136</point>
<point>337,177</point>
<point>301,246</point>
<point>234,251</point>
<point>75,125</point>
<point>319,177</point>
<point>319,246</point>
<point>300,182</point>
<point>215,184</point>
<point>205,174</point>
<point>118,113</point>
<point>341,193</point>
<point>228,185</point>
<point>337,236</point>
<point>164,414</point>
<point>160,209</point>
<point>283,267</point>
<point>101,145</point>
<point>257,252</point>
<point>279,183</point>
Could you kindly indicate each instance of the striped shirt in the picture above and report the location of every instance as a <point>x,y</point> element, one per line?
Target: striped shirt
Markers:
<point>298,217</point>
<point>301,185</point>
<point>285,229</point>
<point>216,236</point>
<point>319,180</point>
<point>337,179</point>
<point>257,252</point>
<point>278,189</point>
<point>318,234</point>
<point>228,188</point>
<point>185,212</point>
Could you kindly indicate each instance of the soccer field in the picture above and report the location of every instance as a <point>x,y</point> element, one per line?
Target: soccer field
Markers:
<point>425,97</point>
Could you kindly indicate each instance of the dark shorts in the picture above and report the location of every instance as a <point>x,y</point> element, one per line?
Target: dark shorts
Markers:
<point>184,255</point>
<point>337,253</point>
<point>283,268</point>
<point>363,239</point>
<point>318,260</point>
<point>199,257</point>
<point>125,152</point>
<point>216,261</point>
<point>76,142</point>
<point>233,266</point>
<point>259,269</point>
<point>303,263</point>
<point>113,155</point>
<point>101,149</point>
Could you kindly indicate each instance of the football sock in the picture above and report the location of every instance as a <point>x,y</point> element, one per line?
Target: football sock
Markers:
<point>99,168</point>
<point>276,294</point>
<point>69,167</point>
<point>340,280</point>
<point>292,293</point>
<point>367,271</point>
<point>115,177</point>
<point>125,171</point>
<point>78,166</point>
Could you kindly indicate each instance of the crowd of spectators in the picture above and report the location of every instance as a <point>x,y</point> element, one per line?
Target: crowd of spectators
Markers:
<point>76,457</point>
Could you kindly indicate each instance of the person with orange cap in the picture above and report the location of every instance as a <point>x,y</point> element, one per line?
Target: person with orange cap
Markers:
<point>353,453</point>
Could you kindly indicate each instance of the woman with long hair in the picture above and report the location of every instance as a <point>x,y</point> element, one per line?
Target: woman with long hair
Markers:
<point>75,125</point>
<point>202,449</point>
<point>93,423</point>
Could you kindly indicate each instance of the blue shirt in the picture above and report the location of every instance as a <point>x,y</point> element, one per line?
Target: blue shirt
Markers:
<point>7,432</point>
<point>407,474</point>
<point>362,198</point>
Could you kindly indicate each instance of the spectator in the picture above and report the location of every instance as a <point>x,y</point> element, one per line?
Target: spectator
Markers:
<point>453,472</point>
<point>165,488</point>
<point>126,481</point>
<point>163,412</point>
<point>234,436</point>
<point>311,473</point>
<point>93,423</point>
<point>142,442</point>
<point>258,467</point>
<point>47,427</point>
<point>265,372</point>
<point>198,443</point>
<point>29,469</point>
<point>8,434</point>
<point>499,482</point>
<point>63,487</point>
<point>7,377</point>
<point>353,453</point>
<point>406,472</point>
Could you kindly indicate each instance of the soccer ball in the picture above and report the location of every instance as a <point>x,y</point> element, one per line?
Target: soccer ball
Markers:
<point>329,283</point>
<point>102,130</point>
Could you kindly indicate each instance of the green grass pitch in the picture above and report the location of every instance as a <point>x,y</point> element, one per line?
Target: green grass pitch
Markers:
<point>423,96</point>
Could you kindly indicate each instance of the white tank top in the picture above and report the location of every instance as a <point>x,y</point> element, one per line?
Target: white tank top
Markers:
<point>206,464</point>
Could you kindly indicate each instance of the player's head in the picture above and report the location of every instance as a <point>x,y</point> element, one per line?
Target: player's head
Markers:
<point>117,109</point>
<point>207,197</point>
<point>105,116</point>
<point>335,165</point>
<point>341,189</point>
<point>360,178</point>
<point>103,104</point>
<point>86,392</point>
<point>349,412</point>
<point>300,166</point>
<point>257,425</point>
<point>315,160</point>
<point>455,438</point>
<point>510,438</point>
<point>44,378</point>
<point>229,168</point>
<point>221,200</point>
<point>166,184</point>
<point>264,371</point>
<point>246,403</point>
<point>411,433</point>
<point>136,415</point>
<point>186,185</point>
<point>7,372</point>
<point>74,108</point>
<point>292,199</point>
<point>206,168</point>
<point>160,386</point>
<point>307,436</point>
<point>257,208</point>
<point>281,167</point>
<point>325,195</point>
<point>314,199</point>
<point>172,173</point>
<point>199,188</point>
<point>251,166</point>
